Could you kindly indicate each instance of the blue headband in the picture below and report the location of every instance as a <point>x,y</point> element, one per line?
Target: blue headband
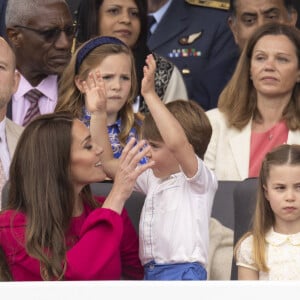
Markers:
<point>91,45</point>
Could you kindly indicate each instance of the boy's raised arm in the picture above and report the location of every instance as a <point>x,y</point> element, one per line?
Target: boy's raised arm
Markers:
<point>170,129</point>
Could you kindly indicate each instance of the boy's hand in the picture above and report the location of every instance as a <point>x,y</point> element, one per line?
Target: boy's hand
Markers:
<point>95,93</point>
<point>148,85</point>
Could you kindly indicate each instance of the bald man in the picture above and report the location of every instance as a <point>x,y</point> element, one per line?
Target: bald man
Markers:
<point>9,131</point>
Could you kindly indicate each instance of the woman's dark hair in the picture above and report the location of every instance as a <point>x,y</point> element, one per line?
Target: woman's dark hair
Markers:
<point>5,274</point>
<point>41,187</point>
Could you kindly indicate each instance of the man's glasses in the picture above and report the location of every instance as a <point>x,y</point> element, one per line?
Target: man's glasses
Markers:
<point>52,35</point>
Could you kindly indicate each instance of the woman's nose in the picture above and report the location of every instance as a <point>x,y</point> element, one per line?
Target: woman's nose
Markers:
<point>269,64</point>
<point>125,18</point>
<point>99,150</point>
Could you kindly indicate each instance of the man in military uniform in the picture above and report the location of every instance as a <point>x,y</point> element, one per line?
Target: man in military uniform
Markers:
<point>247,15</point>
<point>73,5</point>
<point>195,36</point>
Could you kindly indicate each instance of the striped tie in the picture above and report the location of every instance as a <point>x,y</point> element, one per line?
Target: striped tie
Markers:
<point>33,111</point>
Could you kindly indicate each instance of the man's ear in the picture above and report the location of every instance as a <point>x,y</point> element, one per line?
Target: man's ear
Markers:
<point>232,25</point>
<point>17,77</point>
<point>14,36</point>
<point>293,17</point>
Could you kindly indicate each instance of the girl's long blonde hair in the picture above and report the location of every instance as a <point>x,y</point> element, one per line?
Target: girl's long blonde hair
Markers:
<point>71,99</point>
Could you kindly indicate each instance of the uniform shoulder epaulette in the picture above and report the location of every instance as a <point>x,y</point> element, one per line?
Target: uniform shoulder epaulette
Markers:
<point>220,4</point>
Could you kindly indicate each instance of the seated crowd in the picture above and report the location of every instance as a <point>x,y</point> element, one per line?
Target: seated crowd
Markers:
<point>103,107</point>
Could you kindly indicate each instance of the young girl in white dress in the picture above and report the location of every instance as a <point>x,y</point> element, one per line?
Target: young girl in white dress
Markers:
<point>270,251</point>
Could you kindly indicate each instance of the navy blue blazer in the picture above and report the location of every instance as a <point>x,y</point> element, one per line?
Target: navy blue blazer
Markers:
<point>199,42</point>
<point>2,17</point>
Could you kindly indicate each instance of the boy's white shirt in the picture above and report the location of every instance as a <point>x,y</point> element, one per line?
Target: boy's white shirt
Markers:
<point>174,223</point>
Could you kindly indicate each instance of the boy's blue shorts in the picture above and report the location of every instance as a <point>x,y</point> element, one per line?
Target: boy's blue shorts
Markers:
<point>177,271</point>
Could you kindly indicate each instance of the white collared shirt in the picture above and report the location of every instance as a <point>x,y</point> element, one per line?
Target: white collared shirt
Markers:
<point>4,152</point>
<point>174,223</point>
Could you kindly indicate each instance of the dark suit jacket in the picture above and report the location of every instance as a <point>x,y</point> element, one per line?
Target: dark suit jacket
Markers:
<point>2,17</point>
<point>218,53</point>
<point>73,5</point>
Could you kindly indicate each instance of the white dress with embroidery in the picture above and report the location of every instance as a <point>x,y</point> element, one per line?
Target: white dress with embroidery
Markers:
<point>282,256</point>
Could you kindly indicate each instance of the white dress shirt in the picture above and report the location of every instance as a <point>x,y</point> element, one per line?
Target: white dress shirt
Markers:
<point>174,223</point>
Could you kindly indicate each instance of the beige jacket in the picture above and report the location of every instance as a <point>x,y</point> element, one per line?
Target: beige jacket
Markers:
<point>228,152</point>
<point>220,251</point>
<point>13,132</point>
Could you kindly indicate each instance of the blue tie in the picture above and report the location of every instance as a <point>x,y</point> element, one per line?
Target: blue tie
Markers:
<point>151,21</point>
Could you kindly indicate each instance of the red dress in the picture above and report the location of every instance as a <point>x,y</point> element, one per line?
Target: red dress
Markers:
<point>103,245</point>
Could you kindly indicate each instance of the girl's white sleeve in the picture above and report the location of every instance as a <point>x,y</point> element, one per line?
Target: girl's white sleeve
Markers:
<point>244,256</point>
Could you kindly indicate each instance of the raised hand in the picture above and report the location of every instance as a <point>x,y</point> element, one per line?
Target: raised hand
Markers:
<point>148,85</point>
<point>128,171</point>
<point>95,93</point>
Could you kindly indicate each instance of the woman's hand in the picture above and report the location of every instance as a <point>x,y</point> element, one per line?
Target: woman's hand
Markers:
<point>128,171</point>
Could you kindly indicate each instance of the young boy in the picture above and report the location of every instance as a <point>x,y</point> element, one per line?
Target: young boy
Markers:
<point>179,188</point>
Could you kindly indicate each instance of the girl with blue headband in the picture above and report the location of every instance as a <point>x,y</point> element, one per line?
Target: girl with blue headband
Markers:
<point>111,58</point>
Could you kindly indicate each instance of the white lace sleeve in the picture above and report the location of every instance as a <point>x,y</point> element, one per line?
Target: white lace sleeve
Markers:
<point>244,257</point>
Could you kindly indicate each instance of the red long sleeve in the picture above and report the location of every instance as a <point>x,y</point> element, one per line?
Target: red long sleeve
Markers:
<point>106,246</point>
